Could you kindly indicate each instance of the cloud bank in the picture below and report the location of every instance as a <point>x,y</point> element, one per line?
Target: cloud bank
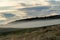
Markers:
<point>11,10</point>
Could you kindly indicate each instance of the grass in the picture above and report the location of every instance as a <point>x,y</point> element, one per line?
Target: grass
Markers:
<point>43,33</point>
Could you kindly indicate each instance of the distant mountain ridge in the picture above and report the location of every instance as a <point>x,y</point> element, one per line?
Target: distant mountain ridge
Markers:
<point>39,18</point>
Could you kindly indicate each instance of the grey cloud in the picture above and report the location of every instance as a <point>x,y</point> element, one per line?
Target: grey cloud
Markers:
<point>35,11</point>
<point>38,8</point>
<point>8,15</point>
<point>41,10</point>
<point>54,2</point>
<point>6,8</point>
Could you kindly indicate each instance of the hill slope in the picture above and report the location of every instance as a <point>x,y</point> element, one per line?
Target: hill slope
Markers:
<point>43,33</point>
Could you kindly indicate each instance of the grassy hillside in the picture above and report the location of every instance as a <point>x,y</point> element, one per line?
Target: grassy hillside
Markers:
<point>43,33</point>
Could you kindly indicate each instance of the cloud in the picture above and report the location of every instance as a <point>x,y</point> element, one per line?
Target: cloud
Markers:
<point>41,10</point>
<point>35,11</point>
<point>20,14</point>
<point>8,15</point>
<point>52,14</point>
<point>44,3</point>
<point>2,18</point>
<point>22,9</point>
<point>54,2</point>
<point>10,5</point>
<point>37,2</point>
<point>26,2</point>
<point>12,16</point>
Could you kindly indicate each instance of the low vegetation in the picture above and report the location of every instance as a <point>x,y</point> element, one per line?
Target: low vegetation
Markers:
<point>42,33</point>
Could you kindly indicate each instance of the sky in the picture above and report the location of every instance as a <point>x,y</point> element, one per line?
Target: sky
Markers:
<point>11,10</point>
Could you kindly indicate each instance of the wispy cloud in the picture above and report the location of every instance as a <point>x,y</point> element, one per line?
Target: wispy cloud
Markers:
<point>2,17</point>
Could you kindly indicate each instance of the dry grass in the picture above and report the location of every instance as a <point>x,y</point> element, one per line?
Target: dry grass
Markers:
<point>43,33</point>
